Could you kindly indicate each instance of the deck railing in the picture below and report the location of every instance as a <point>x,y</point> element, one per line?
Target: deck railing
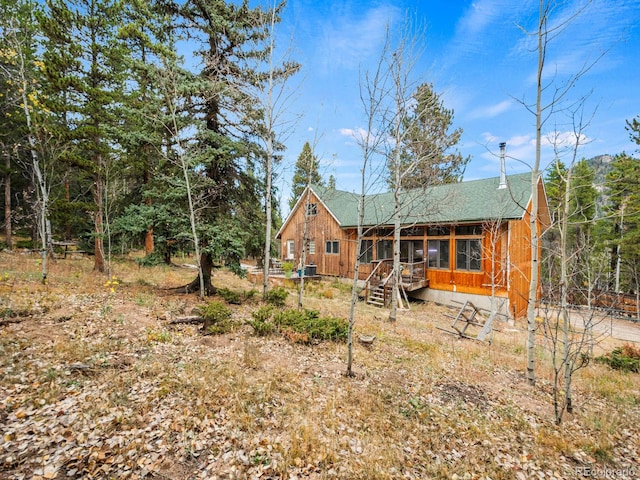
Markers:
<point>412,275</point>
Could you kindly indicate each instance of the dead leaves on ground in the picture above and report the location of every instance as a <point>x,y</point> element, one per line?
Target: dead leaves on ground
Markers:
<point>104,386</point>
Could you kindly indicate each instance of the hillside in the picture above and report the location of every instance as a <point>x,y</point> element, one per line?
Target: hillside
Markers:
<point>100,384</point>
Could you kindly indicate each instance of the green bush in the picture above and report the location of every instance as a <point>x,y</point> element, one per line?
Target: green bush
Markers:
<point>230,296</point>
<point>236,298</point>
<point>217,318</point>
<point>155,258</point>
<point>263,314</point>
<point>250,294</point>
<point>310,323</point>
<point>277,296</point>
<point>262,328</point>
<point>625,358</point>
<point>261,323</point>
<point>299,326</point>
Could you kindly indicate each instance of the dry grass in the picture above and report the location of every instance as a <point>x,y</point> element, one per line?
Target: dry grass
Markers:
<point>147,399</point>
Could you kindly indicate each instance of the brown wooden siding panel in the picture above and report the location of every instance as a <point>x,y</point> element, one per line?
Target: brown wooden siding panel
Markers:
<point>321,228</point>
<point>520,270</point>
<point>474,282</point>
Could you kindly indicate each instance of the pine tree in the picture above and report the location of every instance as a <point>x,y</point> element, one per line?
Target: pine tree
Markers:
<point>85,63</point>
<point>148,34</point>
<point>633,127</point>
<point>305,173</point>
<point>232,45</point>
<point>428,145</point>
<point>623,187</point>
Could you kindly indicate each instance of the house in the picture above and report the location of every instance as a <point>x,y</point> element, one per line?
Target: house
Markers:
<point>458,242</point>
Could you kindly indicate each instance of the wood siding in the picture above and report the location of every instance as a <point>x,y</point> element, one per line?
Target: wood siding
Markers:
<point>507,246</point>
<point>520,266</point>
<point>321,228</point>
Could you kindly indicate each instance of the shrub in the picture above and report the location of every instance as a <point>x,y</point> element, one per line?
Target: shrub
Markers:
<point>309,322</point>
<point>153,259</point>
<point>261,323</point>
<point>625,358</point>
<point>230,296</point>
<point>287,267</point>
<point>217,318</point>
<point>277,296</point>
<point>250,294</point>
<point>236,298</point>
<point>262,328</point>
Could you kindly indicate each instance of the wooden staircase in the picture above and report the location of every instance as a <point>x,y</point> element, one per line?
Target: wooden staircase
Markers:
<point>379,288</point>
<point>377,296</point>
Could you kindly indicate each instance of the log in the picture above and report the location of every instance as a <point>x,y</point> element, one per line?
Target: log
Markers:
<point>190,320</point>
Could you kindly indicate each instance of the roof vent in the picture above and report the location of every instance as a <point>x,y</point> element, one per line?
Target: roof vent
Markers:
<point>503,173</point>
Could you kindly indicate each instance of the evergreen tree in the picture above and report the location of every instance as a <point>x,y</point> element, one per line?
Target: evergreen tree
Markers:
<point>428,145</point>
<point>22,74</point>
<point>232,39</point>
<point>149,35</point>
<point>623,187</point>
<point>633,126</point>
<point>581,218</point>
<point>305,173</point>
<point>85,62</point>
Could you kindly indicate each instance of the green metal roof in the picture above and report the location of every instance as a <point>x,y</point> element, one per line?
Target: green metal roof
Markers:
<point>476,200</point>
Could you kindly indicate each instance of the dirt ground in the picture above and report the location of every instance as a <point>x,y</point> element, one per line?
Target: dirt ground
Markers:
<point>98,381</point>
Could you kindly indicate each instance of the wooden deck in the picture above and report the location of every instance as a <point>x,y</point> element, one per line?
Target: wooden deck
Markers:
<point>413,276</point>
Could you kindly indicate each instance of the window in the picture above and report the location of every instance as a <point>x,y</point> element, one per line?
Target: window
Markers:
<point>366,251</point>
<point>332,247</point>
<point>438,253</point>
<point>411,251</point>
<point>311,247</point>
<point>384,249</point>
<point>438,231</point>
<point>312,209</point>
<point>468,254</point>
<point>469,230</point>
<point>412,232</point>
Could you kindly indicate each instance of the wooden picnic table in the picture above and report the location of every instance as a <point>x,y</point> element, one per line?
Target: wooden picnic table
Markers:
<point>66,246</point>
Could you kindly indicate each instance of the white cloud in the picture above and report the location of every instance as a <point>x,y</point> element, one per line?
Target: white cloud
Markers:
<point>360,135</point>
<point>520,140</point>
<point>564,140</point>
<point>352,37</point>
<point>490,111</point>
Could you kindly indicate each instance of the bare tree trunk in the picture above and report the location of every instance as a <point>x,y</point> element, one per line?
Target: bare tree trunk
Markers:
<point>267,236</point>
<point>192,221</point>
<point>305,240</point>
<point>533,217</point>
<point>372,92</point>
<point>7,202</point>
<point>564,304</point>
<point>67,197</point>
<point>148,241</point>
<point>98,198</point>
<point>149,245</point>
<point>395,279</point>
<point>269,163</point>
<point>356,274</point>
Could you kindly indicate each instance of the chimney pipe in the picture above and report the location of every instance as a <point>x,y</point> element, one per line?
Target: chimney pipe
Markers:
<point>503,173</point>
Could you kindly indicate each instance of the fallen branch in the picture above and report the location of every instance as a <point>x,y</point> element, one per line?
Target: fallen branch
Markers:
<point>190,320</point>
<point>7,321</point>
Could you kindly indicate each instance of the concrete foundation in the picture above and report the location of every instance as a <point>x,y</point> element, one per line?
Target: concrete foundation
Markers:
<point>445,297</point>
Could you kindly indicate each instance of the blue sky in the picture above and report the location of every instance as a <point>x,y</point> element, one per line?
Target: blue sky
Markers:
<point>478,60</point>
